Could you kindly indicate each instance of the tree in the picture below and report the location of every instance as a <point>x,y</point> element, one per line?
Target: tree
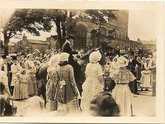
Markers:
<point>30,20</point>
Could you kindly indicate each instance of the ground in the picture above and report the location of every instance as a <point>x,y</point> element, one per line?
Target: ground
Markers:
<point>143,104</point>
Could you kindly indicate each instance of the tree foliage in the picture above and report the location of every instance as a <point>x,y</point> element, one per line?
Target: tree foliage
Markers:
<point>36,20</point>
<point>30,20</point>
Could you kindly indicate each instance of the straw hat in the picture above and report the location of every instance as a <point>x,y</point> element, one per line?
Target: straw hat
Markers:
<point>122,61</point>
<point>64,56</point>
<point>95,56</point>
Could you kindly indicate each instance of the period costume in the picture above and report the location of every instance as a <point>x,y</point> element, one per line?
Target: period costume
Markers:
<point>131,66</point>
<point>76,67</point>
<point>92,85</point>
<point>52,85</point>
<point>21,87</point>
<point>68,92</point>
<point>145,81</point>
<point>121,93</point>
<point>31,77</point>
<point>15,68</point>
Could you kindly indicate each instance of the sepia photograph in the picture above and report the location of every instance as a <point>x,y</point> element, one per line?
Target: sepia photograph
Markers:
<point>85,62</point>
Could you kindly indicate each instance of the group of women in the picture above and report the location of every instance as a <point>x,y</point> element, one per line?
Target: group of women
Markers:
<point>62,94</point>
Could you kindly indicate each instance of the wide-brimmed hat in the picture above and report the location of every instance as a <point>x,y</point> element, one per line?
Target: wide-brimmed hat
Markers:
<point>95,56</point>
<point>64,57</point>
<point>122,61</point>
<point>54,60</point>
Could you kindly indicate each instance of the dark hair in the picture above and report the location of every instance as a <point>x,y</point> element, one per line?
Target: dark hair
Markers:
<point>2,87</point>
<point>105,105</point>
<point>62,63</point>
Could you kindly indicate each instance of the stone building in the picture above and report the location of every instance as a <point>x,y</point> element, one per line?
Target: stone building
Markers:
<point>85,35</point>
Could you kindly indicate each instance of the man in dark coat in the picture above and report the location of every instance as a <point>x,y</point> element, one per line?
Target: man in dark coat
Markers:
<point>67,47</point>
<point>131,66</point>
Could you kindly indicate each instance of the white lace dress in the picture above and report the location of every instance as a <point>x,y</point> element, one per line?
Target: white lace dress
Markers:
<point>91,86</point>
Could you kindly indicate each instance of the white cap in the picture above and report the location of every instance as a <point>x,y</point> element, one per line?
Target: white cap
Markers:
<point>64,56</point>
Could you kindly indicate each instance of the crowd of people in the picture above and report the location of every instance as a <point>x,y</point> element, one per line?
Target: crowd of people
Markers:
<point>77,81</point>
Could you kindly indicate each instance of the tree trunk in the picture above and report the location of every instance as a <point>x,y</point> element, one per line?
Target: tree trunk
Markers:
<point>99,33</point>
<point>64,34</point>
<point>6,42</point>
<point>57,21</point>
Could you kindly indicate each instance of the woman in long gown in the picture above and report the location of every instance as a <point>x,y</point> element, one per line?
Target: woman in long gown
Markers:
<point>21,87</point>
<point>145,81</point>
<point>121,93</point>
<point>15,68</point>
<point>31,76</point>
<point>94,80</point>
<point>52,85</point>
<point>68,91</point>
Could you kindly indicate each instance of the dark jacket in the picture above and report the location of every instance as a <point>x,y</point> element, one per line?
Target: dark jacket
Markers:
<point>131,66</point>
<point>76,67</point>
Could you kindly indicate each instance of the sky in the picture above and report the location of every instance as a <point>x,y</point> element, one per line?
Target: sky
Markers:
<point>142,24</point>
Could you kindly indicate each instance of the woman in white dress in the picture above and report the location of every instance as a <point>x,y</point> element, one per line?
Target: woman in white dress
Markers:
<point>15,68</point>
<point>121,93</point>
<point>145,81</point>
<point>94,80</point>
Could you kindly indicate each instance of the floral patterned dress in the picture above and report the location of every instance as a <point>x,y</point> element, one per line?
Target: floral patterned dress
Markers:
<point>121,93</point>
<point>91,86</point>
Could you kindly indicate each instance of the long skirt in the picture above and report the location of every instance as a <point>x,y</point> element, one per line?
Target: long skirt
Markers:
<point>145,81</point>
<point>72,106</point>
<point>20,91</point>
<point>32,85</point>
<point>17,91</point>
<point>123,97</point>
<point>91,87</point>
